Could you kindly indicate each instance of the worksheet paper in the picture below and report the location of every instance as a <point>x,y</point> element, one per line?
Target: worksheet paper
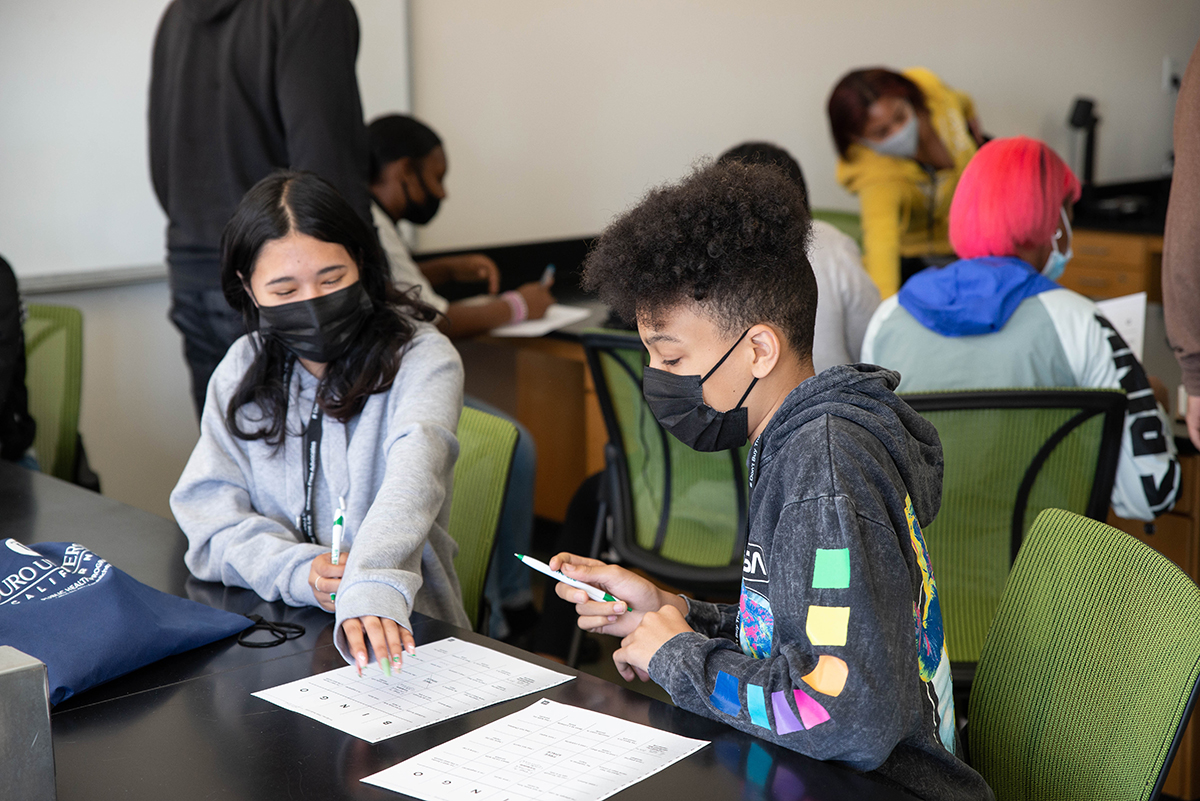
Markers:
<point>1128,315</point>
<point>442,680</point>
<point>557,316</point>
<point>546,752</point>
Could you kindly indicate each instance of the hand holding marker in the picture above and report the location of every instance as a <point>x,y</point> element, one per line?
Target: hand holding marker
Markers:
<point>339,523</point>
<point>595,593</point>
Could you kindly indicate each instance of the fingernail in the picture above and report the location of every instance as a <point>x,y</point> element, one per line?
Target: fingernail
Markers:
<point>386,667</point>
<point>396,658</point>
<point>360,661</point>
<point>618,608</point>
<point>611,618</point>
<point>412,649</point>
<point>333,596</point>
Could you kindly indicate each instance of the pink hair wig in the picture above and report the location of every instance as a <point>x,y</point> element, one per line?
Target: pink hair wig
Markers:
<point>1008,197</point>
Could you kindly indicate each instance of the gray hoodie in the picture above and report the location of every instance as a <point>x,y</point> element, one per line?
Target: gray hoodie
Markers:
<point>835,649</point>
<point>239,501</point>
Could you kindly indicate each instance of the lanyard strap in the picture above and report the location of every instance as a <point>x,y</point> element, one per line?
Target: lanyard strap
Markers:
<point>312,459</point>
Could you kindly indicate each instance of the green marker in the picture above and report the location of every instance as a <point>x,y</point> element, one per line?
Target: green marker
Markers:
<point>595,593</point>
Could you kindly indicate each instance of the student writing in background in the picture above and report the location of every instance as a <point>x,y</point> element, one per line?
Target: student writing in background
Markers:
<point>902,140</point>
<point>997,319</point>
<point>408,173</point>
<point>340,363</point>
<point>408,170</point>
<point>846,297</point>
<point>821,655</point>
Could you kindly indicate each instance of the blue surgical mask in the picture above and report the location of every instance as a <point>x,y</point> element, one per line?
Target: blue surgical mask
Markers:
<point>902,144</point>
<point>1057,262</point>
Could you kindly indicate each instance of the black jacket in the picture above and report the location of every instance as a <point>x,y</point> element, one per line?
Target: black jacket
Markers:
<point>238,89</point>
<point>835,648</point>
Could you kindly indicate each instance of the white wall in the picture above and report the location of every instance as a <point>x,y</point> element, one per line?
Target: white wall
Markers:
<point>74,169</point>
<point>556,115</point>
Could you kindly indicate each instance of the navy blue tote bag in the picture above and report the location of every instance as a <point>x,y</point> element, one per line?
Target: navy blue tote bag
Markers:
<point>91,622</point>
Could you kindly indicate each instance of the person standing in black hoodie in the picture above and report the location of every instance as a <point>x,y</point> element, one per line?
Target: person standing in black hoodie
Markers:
<point>239,89</point>
<point>835,649</point>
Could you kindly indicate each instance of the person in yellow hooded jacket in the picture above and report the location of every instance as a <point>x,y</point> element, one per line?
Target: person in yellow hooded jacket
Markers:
<point>903,139</point>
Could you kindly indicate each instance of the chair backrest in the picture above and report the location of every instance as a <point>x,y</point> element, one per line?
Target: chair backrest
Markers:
<point>1090,670</point>
<point>848,222</point>
<point>486,444</point>
<point>1009,454</point>
<point>678,513</point>
<point>53,376</point>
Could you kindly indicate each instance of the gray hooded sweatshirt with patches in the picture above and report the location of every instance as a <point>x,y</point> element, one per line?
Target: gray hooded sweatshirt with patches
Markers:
<point>835,649</point>
<point>239,501</point>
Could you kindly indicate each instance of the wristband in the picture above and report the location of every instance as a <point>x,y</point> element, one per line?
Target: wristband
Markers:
<point>516,303</point>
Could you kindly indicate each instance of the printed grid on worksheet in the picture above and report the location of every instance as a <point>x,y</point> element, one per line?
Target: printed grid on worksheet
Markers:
<point>441,680</point>
<point>546,751</point>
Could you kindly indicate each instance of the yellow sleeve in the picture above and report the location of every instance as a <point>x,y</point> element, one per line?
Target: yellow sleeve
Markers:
<point>880,208</point>
<point>966,103</point>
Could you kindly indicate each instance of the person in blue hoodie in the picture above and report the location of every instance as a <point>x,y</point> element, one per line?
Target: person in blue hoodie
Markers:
<point>997,319</point>
<point>835,649</point>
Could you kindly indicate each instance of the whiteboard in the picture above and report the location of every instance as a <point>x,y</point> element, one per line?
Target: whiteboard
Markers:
<point>75,191</point>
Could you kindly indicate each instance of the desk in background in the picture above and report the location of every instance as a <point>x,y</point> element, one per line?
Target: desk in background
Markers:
<point>1109,264</point>
<point>186,727</point>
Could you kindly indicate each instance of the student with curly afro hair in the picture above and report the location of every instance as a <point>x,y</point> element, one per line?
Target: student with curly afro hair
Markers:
<point>820,655</point>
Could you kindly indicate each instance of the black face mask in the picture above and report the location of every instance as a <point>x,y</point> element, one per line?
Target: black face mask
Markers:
<point>318,329</point>
<point>421,213</point>
<point>677,402</point>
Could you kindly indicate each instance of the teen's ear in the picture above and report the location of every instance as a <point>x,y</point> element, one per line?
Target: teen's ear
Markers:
<point>767,346</point>
<point>246,286</point>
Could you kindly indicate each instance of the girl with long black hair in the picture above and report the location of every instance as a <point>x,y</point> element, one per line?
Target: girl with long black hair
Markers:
<point>342,398</point>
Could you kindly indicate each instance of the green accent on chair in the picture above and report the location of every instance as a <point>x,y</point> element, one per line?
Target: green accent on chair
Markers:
<point>993,441</point>
<point>678,513</point>
<point>486,444</point>
<point>848,222</point>
<point>1090,669</point>
<point>53,376</point>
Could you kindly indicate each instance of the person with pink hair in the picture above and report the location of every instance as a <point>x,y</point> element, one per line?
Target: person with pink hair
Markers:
<point>996,318</point>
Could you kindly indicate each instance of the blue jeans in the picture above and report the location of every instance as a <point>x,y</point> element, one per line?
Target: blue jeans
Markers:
<point>507,583</point>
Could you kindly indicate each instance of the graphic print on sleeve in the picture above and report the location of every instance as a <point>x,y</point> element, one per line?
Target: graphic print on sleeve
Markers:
<point>756,622</point>
<point>932,659</point>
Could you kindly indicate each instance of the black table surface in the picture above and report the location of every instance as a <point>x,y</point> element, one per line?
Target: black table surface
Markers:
<point>187,727</point>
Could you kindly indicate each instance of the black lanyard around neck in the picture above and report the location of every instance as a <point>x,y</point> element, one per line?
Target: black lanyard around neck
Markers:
<point>312,461</point>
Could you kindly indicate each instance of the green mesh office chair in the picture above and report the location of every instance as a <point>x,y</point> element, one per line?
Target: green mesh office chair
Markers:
<point>678,514</point>
<point>1009,454</point>
<point>486,444</point>
<point>848,222</point>
<point>53,376</point>
<point>1090,671</point>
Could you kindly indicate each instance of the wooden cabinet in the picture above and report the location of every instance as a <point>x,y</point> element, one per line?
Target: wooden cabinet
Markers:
<point>1109,265</point>
<point>1176,535</point>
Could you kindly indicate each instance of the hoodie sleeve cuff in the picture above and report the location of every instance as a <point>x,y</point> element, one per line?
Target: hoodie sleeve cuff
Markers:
<point>666,666</point>
<point>368,598</point>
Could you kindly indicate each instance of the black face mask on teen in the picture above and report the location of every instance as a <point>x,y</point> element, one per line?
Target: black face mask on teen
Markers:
<point>677,402</point>
<point>319,329</point>
<point>423,212</point>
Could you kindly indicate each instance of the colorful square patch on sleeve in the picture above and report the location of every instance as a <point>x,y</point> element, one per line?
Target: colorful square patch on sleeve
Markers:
<point>827,624</point>
<point>725,695</point>
<point>831,569</point>
<point>756,704</point>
